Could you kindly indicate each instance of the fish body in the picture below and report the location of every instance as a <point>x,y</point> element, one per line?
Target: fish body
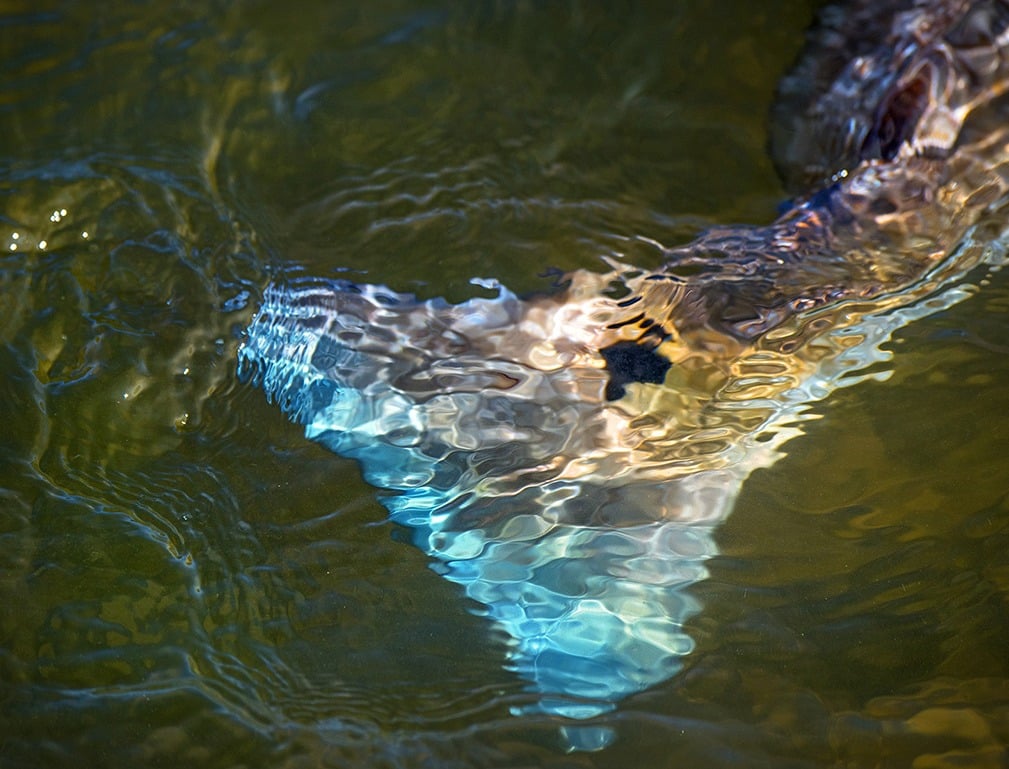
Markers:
<point>566,457</point>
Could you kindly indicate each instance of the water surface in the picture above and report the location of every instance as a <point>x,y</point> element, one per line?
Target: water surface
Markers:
<point>185,578</point>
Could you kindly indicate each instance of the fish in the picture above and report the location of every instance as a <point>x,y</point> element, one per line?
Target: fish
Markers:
<point>566,457</point>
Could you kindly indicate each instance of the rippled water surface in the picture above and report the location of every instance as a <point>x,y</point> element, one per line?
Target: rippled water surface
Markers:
<point>185,579</point>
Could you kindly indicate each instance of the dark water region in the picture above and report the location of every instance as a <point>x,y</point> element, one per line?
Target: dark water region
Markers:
<point>185,578</point>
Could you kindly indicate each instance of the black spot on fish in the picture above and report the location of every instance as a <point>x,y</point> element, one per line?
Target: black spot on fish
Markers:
<point>632,362</point>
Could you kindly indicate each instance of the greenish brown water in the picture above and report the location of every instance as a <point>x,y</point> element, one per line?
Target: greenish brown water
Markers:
<point>184,578</point>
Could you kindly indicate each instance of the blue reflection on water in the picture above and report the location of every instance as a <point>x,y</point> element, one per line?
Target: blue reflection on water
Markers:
<point>595,613</point>
<point>578,522</point>
<point>506,474</point>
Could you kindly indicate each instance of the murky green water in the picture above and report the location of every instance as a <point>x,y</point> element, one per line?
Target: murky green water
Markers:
<point>185,579</point>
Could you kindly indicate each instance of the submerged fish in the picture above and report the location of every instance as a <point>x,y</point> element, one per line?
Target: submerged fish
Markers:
<point>566,457</point>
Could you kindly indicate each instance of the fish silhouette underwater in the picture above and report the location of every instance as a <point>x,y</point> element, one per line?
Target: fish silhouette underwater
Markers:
<point>566,457</point>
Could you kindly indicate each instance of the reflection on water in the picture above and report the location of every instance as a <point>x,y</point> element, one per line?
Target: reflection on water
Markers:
<point>578,521</point>
<point>185,579</point>
<point>501,470</point>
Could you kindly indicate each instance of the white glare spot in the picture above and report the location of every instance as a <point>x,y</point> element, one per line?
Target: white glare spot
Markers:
<point>42,245</point>
<point>84,234</point>
<point>14,246</point>
<point>16,235</point>
<point>185,371</point>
